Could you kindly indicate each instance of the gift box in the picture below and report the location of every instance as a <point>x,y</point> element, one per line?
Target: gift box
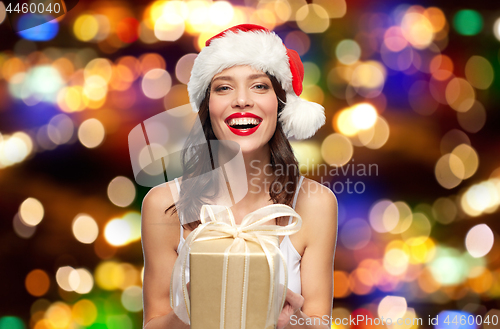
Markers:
<point>233,270</point>
<point>206,288</point>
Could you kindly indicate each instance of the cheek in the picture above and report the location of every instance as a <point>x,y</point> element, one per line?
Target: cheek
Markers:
<point>271,109</point>
<point>215,109</point>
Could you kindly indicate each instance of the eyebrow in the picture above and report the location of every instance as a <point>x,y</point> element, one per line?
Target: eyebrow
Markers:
<point>251,77</point>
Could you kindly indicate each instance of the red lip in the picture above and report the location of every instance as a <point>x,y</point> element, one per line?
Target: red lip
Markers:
<point>243,132</point>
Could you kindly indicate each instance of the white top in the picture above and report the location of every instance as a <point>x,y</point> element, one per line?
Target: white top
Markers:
<point>291,255</point>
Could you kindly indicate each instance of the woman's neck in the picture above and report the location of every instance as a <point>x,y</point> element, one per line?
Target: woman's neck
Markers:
<point>259,176</point>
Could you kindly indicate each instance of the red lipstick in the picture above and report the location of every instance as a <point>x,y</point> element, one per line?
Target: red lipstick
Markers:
<point>243,132</point>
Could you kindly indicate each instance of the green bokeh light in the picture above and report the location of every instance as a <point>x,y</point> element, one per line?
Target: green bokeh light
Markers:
<point>448,268</point>
<point>121,321</point>
<point>11,322</point>
<point>468,22</point>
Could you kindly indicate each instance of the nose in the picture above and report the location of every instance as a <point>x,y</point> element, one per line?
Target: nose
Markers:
<point>242,99</point>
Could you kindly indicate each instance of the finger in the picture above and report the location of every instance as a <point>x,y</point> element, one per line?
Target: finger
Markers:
<point>296,300</point>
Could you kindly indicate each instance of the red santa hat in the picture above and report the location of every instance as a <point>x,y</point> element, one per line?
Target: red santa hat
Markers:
<point>254,45</point>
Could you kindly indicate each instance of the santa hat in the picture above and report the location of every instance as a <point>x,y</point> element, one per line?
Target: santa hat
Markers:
<point>254,45</point>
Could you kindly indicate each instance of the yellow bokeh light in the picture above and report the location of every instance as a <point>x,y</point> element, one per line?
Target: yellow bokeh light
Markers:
<point>101,67</point>
<point>174,10</point>
<point>31,212</point>
<point>70,99</point>
<point>27,141</point>
<point>418,231</point>
<point>481,197</point>
<point>312,18</point>
<point>369,74</point>
<point>121,191</point>
<point>363,116</point>
<point>336,150</point>
<point>343,123</point>
<point>86,27</point>
<point>117,232</point>
<point>396,261</point>
<point>91,133</point>
<point>109,275</point>
<point>422,252</point>
<point>95,88</point>
<point>81,281</point>
<point>417,29</point>
<point>62,277</point>
<point>460,95</point>
<point>405,217</point>
<point>334,8</point>
<point>281,8</point>
<point>308,154</point>
<point>449,168</point>
<point>166,30</point>
<point>59,315</point>
<point>220,13</point>
<point>198,19</point>
<point>85,228</point>
<point>469,158</point>
<point>84,312</point>
<point>376,136</point>
<point>133,219</point>
<point>13,150</point>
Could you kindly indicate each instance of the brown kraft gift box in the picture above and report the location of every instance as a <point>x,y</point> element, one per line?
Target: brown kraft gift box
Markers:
<point>206,276</point>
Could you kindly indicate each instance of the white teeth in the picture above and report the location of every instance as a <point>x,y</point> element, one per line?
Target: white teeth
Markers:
<point>243,121</point>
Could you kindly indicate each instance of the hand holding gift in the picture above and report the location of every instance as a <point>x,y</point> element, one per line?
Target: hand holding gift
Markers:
<point>293,303</point>
<point>234,271</point>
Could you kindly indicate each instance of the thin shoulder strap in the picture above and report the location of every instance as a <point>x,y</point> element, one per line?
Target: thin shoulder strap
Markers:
<point>178,185</point>
<point>295,196</point>
<point>180,222</point>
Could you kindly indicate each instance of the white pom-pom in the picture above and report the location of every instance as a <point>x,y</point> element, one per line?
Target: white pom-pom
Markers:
<point>301,118</point>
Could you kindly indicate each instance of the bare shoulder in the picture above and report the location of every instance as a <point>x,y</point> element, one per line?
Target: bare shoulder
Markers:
<point>154,211</point>
<point>317,205</point>
<point>313,194</point>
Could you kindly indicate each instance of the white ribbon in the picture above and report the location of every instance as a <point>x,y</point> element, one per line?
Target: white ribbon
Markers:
<point>250,229</point>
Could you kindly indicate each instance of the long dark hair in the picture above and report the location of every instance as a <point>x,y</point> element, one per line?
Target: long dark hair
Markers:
<point>198,160</point>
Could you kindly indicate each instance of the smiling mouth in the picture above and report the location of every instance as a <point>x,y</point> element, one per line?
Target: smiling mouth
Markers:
<point>243,123</point>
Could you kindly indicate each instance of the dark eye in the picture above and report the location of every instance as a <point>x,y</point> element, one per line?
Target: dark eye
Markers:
<point>222,88</point>
<point>261,86</point>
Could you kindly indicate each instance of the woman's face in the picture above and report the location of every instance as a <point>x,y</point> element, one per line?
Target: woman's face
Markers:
<point>243,107</point>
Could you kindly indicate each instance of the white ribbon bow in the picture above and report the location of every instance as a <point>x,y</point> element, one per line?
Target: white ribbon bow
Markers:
<point>250,229</point>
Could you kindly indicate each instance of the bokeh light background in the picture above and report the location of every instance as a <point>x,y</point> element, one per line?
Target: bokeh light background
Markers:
<point>411,93</point>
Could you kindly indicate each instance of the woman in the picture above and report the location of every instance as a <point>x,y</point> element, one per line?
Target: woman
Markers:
<point>245,84</point>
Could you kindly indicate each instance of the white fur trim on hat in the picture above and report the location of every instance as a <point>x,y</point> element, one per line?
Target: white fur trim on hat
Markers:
<point>300,118</point>
<point>263,51</point>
